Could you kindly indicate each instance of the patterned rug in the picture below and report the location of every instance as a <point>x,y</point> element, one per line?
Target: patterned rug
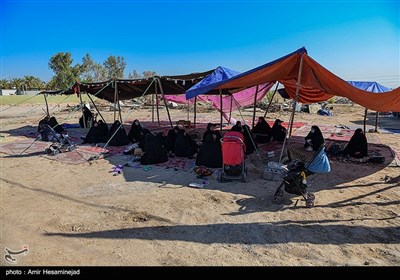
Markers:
<point>336,133</point>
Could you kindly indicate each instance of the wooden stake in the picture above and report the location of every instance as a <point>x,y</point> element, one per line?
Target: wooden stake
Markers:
<point>115,98</point>
<point>376,121</point>
<point>47,104</point>
<point>165,102</point>
<point>365,120</point>
<point>272,98</point>
<point>194,113</point>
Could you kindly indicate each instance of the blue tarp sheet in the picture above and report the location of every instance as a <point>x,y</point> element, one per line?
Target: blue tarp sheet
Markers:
<point>369,86</point>
<point>207,84</point>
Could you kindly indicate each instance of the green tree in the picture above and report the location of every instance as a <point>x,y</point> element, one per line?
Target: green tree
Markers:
<point>115,67</point>
<point>65,73</point>
<point>17,83</point>
<point>31,82</point>
<point>92,71</point>
<point>4,84</point>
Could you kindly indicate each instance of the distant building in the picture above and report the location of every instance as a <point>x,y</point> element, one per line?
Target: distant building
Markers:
<point>18,92</point>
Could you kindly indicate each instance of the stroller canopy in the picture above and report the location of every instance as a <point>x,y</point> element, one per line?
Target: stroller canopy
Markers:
<point>319,163</point>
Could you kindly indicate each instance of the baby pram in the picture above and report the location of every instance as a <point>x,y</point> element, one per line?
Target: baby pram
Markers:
<point>295,179</point>
<point>61,142</point>
<point>233,150</point>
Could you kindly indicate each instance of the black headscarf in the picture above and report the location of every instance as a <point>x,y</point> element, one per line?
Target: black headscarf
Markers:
<point>154,151</point>
<point>134,133</point>
<point>237,127</point>
<point>209,131</point>
<point>316,138</point>
<point>357,146</point>
<point>55,125</point>
<point>171,137</point>
<point>185,146</point>
<point>96,134</point>
<point>210,153</point>
<point>87,115</point>
<point>120,138</point>
<point>278,131</point>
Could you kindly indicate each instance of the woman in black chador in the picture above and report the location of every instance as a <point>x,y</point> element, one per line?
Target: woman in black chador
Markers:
<point>314,139</point>
<point>104,127</point>
<point>237,127</point>
<point>358,146</point>
<point>120,138</point>
<point>86,116</point>
<point>170,140</point>
<point>154,152</point>
<point>210,153</point>
<point>262,131</point>
<point>210,131</point>
<point>96,134</point>
<point>185,146</point>
<point>134,133</point>
<point>278,131</point>
<point>249,140</point>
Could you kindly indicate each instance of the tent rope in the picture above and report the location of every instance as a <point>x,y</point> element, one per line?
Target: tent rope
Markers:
<point>13,105</point>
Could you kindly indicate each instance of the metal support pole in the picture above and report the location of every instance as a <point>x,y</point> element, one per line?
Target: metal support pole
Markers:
<point>254,108</point>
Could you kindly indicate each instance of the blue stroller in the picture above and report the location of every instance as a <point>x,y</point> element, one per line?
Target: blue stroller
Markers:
<point>295,180</point>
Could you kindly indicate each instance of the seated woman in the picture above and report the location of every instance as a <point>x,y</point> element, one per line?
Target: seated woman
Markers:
<point>185,146</point>
<point>42,122</point>
<point>249,140</point>
<point>170,140</point>
<point>262,131</point>
<point>87,115</point>
<point>357,146</point>
<point>237,127</point>
<point>278,131</point>
<point>134,133</point>
<point>154,152</point>
<point>120,138</point>
<point>95,135</point>
<point>104,127</point>
<point>44,129</point>
<point>210,130</point>
<point>142,141</point>
<point>314,139</point>
<point>55,125</point>
<point>210,153</point>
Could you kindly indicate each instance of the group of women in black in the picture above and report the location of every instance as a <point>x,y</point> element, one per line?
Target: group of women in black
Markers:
<point>357,146</point>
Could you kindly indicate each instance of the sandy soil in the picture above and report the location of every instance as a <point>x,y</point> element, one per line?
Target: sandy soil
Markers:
<point>83,215</point>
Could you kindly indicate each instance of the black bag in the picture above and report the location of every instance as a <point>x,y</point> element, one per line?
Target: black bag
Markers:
<point>377,159</point>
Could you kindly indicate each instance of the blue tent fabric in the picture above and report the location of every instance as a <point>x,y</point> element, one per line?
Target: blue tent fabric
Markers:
<point>207,84</point>
<point>369,86</point>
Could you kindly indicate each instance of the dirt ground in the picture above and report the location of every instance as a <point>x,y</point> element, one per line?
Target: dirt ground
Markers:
<point>82,215</point>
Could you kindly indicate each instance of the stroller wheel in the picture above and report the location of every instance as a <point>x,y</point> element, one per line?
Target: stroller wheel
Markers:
<point>278,197</point>
<point>310,200</point>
